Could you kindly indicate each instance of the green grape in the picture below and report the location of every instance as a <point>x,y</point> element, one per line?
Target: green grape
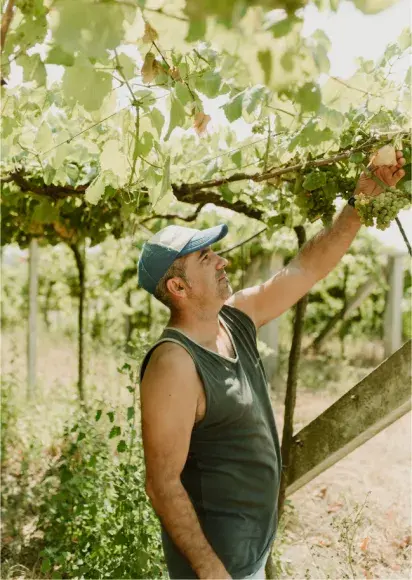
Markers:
<point>382,209</point>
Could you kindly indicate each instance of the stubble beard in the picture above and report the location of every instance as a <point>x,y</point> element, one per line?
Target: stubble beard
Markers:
<point>224,290</point>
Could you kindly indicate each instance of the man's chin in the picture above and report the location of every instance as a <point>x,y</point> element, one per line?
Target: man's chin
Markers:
<point>226,292</point>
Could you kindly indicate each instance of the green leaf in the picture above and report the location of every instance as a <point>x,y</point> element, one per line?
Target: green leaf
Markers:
<point>45,566</point>
<point>157,120</point>
<point>197,30</point>
<point>84,85</point>
<point>314,180</point>
<point>98,415</point>
<point>81,436</point>
<point>405,39</point>
<point>110,414</point>
<point>130,413</point>
<point>44,138</point>
<point>182,93</point>
<point>309,97</point>
<point>121,446</point>
<point>177,116</point>
<point>45,212</point>
<point>209,84</point>
<point>57,56</point>
<point>253,97</point>
<point>128,69</point>
<point>320,54</point>
<point>373,6</point>
<point>145,144</point>
<point>95,191</point>
<point>233,108</point>
<point>166,178</point>
<point>115,432</point>
<point>89,28</point>
<point>237,159</point>
<point>287,60</point>
<point>357,157</point>
<point>265,61</point>
<point>33,69</point>
<point>48,174</point>
<point>7,126</point>
<point>113,159</point>
<point>408,77</point>
<point>283,27</point>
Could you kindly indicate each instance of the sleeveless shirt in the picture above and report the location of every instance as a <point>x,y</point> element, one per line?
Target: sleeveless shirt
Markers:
<point>232,472</point>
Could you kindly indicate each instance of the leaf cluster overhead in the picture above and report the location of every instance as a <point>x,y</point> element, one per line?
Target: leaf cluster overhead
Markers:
<point>126,126</point>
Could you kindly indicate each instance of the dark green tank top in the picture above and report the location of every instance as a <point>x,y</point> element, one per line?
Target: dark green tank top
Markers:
<point>232,472</point>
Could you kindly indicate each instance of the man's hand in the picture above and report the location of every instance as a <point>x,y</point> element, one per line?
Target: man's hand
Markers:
<point>389,174</point>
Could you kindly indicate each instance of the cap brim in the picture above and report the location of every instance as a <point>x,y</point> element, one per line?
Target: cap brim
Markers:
<point>204,238</point>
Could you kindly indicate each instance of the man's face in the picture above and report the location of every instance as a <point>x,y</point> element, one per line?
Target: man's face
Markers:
<point>207,278</point>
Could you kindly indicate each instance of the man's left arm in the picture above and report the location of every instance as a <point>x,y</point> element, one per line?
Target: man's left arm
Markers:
<point>315,260</point>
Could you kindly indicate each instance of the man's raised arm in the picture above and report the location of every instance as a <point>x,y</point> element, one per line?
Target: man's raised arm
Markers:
<point>315,260</point>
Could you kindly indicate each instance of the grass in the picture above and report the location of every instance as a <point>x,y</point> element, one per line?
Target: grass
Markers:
<point>352,521</point>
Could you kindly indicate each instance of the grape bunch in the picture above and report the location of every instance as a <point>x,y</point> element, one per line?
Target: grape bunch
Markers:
<point>382,208</point>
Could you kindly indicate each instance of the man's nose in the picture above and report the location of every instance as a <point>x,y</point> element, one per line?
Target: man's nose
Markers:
<point>222,263</point>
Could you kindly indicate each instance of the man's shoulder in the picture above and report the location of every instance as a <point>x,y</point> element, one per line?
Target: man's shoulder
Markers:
<point>169,356</point>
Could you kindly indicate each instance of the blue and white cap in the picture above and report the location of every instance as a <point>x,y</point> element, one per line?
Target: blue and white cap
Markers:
<point>172,242</point>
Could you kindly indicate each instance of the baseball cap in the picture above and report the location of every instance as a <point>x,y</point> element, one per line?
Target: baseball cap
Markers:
<point>170,243</point>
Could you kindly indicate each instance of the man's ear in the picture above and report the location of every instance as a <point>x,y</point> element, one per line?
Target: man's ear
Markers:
<point>175,286</point>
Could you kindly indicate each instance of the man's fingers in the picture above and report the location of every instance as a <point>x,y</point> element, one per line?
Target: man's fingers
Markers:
<point>399,174</point>
<point>399,154</point>
<point>401,161</point>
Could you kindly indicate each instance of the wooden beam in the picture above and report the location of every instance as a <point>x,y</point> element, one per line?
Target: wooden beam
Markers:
<point>369,407</point>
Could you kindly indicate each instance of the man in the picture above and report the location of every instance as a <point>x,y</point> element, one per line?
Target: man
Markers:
<point>210,443</point>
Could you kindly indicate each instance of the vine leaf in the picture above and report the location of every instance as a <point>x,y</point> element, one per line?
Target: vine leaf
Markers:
<point>309,97</point>
<point>150,33</point>
<point>265,61</point>
<point>200,123</point>
<point>95,191</point>
<point>150,68</point>
<point>145,144</point>
<point>157,120</point>
<point>33,69</point>
<point>57,55</point>
<point>44,138</point>
<point>122,446</point>
<point>209,84</point>
<point>101,23</point>
<point>314,180</point>
<point>182,93</point>
<point>85,85</point>
<point>197,30</point>
<point>233,109</point>
<point>113,159</point>
<point>114,432</point>
<point>177,116</point>
<point>127,65</point>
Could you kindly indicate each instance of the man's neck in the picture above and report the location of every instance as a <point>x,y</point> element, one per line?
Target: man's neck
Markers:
<point>203,327</point>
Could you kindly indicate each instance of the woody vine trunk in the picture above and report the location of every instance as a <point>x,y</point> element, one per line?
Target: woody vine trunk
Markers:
<point>80,263</point>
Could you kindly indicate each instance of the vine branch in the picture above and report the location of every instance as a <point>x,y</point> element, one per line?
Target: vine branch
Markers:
<point>6,21</point>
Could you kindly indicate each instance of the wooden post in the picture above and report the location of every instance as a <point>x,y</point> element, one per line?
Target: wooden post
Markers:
<point>32,328</point>
<point>369,407</point>
<point>393,309</point>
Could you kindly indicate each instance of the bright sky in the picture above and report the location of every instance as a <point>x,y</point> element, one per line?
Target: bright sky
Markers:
<point>352,34</point>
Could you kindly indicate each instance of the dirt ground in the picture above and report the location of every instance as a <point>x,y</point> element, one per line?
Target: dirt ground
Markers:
<point>315,537</point>
<point>319,521</point>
